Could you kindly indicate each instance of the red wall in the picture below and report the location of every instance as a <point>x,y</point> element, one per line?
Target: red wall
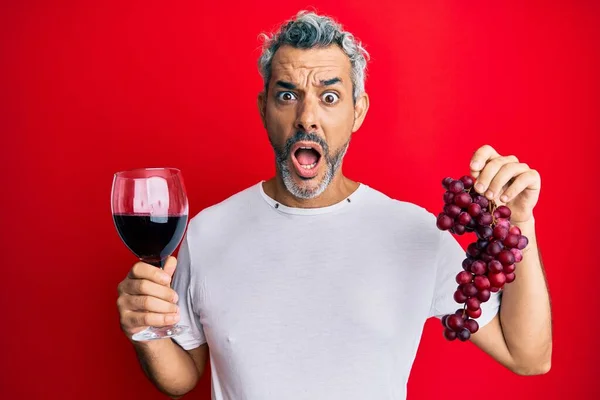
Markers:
<point>87,89</point>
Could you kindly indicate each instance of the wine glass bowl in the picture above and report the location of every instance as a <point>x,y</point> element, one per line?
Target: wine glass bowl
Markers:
<point>150,213</point>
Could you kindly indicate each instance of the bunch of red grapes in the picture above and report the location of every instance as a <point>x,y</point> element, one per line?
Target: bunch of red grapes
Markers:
<point>490,261</point>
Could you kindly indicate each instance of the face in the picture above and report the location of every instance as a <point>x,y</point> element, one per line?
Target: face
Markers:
<point>310,116</point>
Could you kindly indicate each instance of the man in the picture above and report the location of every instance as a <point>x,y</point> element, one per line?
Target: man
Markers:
<point>311,285</point>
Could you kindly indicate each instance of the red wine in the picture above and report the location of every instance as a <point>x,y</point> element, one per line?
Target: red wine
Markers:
<point>151,238</point>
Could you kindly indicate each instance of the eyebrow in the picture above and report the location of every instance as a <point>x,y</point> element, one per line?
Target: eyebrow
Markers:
<point>331,81</point>
<point>291,86</point>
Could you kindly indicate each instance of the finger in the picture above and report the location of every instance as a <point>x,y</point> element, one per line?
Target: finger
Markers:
<point>135,319</point>
<point>142,270</point>
<point>149,303</point>
<point>149,288</point>
<point>489,172</point>
<point>503,177</point>
<point>480,158</point>
<point>527,180</point>
<point>170,266</point>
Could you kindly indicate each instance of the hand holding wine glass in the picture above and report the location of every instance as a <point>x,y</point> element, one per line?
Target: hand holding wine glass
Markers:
<point>146,299</point>
<point>150,213</point>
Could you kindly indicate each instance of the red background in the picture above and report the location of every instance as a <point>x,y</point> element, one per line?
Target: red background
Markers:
<point>87,89</point>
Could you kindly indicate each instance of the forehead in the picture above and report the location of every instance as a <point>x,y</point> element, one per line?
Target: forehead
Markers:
<point>292,64</point>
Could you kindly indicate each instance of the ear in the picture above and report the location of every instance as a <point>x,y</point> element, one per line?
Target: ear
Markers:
<point>360,111</point>
<point>262,107</point>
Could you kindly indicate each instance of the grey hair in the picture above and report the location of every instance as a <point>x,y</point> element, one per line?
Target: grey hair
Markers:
<point>309,30</point>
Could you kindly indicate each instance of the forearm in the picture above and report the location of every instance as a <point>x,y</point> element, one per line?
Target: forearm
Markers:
<point>170,368</point>
<point>525,313</point>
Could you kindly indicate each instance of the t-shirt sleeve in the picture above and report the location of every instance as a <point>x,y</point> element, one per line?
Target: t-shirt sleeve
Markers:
<point>184,286</point>
<point>449,263</point>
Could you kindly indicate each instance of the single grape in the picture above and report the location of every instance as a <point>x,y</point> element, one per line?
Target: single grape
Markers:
<point>494,248</point>
<point>463,277</point>
<point>481,282</point>
<point>482,201</point>
<point>473,303</point>
<point>509,269</point>
<point>485,219</point>
<point>467,181</point>
<point>485,232</point>
<point>473,251</point>
<point>518,255</point>
<point>494,289</point>
<point>449,334</point>
<point>503,211</point>
<point>459,229</point>
<point>474,313</point>
<point>500,232</point>
<point>497,279</point>
<point>505,257</point>
<point>523,242</point>
<point>460,297</point>
<point>474,210</point>
<point>482,244</point>
<point>511,240</point>
<point>444,320</point>
<point>469,289</point>
<point>464,334</point>
<point>471,226</point>
<point>463,200</point>
<point>456,186</point>
<point>484,295</point>
<point>449,198</point>
<point>472,325</point>
<point>455,322</point>
<point>510,277</point>
<point>452,210</point>
<point>446,182</point>
<point>466,264</point>
<point>514,230</point>
<point>444,222</point>
<point>478,267</point>
<point>463,218</point>
<point>495,266</point>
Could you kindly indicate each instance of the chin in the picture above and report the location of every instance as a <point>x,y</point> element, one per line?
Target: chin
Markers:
<point>306,188</point>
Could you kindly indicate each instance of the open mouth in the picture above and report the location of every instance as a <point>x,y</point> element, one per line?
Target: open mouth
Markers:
<point>306,157</point>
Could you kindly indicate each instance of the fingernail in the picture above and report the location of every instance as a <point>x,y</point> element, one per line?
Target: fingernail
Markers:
<point>504,198</point>
<point>176,298</point>
<point>165,278</point>
<point>489,194</point>
<point>479,187</point>
<point>475,165</point>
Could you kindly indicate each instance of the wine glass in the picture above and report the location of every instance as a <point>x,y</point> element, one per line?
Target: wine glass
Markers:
<point>150,211</point>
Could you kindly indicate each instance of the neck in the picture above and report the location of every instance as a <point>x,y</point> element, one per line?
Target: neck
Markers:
<point>339,188</point>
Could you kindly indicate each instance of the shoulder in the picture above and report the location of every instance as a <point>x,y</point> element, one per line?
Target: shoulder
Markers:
<point>397,210</point>
<point>226,213</point>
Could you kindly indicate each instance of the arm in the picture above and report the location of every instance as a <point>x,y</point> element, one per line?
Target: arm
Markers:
<point>171,369</point>
<point>520,336</point>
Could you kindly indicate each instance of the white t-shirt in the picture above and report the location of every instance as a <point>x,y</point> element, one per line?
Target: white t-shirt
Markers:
<point>324,303</point>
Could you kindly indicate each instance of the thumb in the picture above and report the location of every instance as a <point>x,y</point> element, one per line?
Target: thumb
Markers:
<point>170,266</point>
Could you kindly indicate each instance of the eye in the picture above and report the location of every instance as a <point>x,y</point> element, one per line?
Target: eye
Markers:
<point>286,96</point>
<point>330,98</point>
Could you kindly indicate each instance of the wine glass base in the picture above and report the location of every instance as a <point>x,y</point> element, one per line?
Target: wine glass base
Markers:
<point>153,333</point>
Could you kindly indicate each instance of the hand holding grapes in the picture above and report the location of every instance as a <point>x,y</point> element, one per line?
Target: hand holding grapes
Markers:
<point>146,298</point>
<point>499,194</point>
<point>506,181</point>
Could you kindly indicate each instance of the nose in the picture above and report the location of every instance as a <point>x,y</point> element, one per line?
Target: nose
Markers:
<point>306,119</point>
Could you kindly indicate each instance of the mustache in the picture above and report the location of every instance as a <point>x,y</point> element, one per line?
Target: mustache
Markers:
<point>300,136</point>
